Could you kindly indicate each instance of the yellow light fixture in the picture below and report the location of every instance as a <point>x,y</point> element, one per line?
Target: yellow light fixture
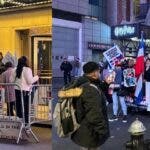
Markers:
<point>2,2</point>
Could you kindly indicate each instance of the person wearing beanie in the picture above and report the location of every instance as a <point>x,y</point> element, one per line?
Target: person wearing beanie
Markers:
<point>91,110</point>
<point>107,74</point>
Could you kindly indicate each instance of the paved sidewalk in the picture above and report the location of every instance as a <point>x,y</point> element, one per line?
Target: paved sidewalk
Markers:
<point>44,135</point>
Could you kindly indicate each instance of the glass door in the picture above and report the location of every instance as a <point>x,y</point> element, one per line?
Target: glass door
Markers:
<point>42,58</point>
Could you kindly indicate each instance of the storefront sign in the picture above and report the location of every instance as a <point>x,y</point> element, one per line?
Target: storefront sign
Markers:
<point>98,46</point>
<point>125,31</point>
<point>113,56</point>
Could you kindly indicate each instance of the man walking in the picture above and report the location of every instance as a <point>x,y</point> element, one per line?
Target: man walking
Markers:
<point>91,110</point>
<point>66,67</point>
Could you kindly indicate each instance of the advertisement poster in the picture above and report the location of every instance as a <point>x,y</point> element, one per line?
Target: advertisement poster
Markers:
<point>113,56</point>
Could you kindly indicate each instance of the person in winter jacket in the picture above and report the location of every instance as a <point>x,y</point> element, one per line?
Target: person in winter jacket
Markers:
<point>2,66</point>
<point>147,81</point>
<point>24,78</point>
<point>9,90</point>
<point>66,67</point>
<point>91,110</point>
<point>76,67</point>
<point>117,85</point>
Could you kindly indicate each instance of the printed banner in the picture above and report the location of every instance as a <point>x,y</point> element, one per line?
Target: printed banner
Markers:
<point>9,129</point>
<point>113,56</point>
<point>10,58</point>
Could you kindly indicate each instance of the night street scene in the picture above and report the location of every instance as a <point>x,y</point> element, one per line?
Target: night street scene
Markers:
<point>25,74</point>
<point>101,75</point>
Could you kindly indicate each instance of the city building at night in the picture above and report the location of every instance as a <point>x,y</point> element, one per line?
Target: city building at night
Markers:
<point>79,30</point>
<point>25,28</point>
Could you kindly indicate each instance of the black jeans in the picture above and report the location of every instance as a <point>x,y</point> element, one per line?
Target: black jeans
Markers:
<point>19,104</point>
<point>10,108</point>
<point>67,77</point>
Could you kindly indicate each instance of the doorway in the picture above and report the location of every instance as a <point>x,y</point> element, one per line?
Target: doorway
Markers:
<point>97,55</point>
<point>42,58</point>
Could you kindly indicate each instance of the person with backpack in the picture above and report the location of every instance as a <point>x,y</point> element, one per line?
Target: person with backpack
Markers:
<point>90,108</point>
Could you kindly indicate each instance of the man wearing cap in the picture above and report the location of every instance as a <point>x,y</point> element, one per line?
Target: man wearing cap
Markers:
<point>91,110</point>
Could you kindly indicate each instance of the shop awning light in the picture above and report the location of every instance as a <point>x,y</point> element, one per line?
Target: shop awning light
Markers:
<point>2,2</point>
<point>16,3</point>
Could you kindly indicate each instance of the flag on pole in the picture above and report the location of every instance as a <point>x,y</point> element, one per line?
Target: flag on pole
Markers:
<point>139,70</point>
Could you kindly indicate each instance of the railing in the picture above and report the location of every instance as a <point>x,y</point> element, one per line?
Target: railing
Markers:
<point>45,76</point>
<point>20,109</point>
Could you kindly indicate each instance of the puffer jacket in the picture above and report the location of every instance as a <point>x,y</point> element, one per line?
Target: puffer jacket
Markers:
<point>91,112</point>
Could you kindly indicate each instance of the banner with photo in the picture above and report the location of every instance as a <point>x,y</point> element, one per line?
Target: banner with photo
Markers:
<point>113,56</point>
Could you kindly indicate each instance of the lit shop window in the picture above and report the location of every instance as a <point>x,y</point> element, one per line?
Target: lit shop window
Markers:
<point>136,7</point>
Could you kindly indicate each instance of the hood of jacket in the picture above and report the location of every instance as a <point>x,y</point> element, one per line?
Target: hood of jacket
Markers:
<point>75,89</point>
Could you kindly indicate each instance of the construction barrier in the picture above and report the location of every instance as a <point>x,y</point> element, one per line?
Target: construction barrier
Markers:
<point>11,126</point>
<point>17,114</point>
<point>40,105</point>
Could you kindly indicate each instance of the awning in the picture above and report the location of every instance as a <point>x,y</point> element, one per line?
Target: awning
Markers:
<point>9,5</point>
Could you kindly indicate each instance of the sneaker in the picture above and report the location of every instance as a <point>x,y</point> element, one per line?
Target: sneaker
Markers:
<point>113,118</point>
<point>124,120</point>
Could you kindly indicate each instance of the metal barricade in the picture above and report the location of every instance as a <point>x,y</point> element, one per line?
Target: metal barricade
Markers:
<point>12,125</point>
<point>40,105</point>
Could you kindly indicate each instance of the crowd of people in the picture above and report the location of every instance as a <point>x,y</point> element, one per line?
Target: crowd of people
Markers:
<point>21,75</point>
<point>102,86</point>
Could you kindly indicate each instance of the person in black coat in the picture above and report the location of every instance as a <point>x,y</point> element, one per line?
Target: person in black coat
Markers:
<point>2,66</point>
<point>147,81</point>
<point>147,70</point>
<point>91,110</point>
<point>66,67</point>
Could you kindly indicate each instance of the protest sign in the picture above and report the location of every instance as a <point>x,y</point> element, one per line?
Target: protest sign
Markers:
<point>113,56</point>
<point>10,58</point>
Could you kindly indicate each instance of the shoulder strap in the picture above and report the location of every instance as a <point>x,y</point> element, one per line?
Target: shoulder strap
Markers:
<point>95,87</point>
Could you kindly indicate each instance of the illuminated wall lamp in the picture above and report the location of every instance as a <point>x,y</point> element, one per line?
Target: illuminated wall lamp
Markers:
<point>2,2</point>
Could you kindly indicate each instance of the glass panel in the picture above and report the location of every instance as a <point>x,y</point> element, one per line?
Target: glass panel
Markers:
<point>42,58</point>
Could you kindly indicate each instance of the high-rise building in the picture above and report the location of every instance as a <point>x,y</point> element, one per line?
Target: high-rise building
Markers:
<point>128,11</point>
<point>128,18</point>
<point>79,30</point>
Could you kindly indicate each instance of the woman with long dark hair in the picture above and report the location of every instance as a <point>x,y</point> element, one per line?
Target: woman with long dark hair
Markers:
<point>24,78</point>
